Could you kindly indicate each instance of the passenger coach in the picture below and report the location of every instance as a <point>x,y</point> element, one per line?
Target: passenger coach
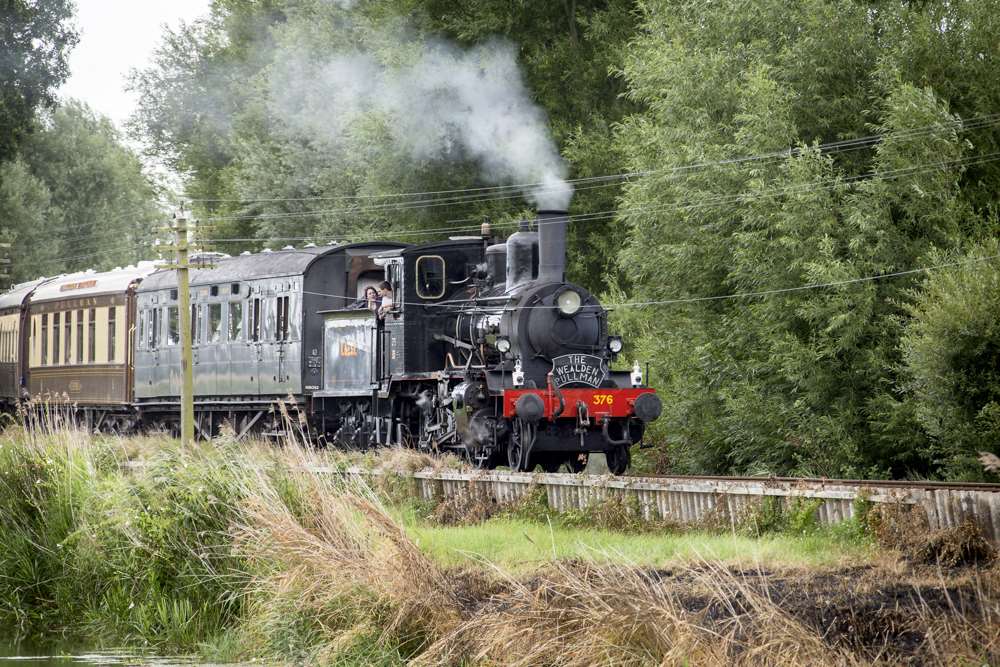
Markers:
<point>79,334</point>
<point>257,334</point>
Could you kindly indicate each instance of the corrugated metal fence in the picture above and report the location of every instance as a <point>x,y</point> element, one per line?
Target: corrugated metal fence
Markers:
<point>696,500</point>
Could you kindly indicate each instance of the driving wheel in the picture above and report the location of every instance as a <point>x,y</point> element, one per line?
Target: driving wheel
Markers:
<point>522,437</point>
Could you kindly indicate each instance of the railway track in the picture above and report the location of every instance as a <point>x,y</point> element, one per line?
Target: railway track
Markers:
<point>867,483</point>
<point>696,499</point>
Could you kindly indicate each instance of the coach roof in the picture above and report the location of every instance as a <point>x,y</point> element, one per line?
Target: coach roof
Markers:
<point>14,298</point>
<point>274,264</point>
<point>91,283</point>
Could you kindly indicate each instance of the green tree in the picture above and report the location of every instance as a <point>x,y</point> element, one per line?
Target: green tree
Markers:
<point>24,208</point>
<point>36,37</point>
<point>803,381</point>
<point>76,198</point>
<point>951,351</point>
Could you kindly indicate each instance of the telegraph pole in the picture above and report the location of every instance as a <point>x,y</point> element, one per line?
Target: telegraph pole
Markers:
<point>184,306</point>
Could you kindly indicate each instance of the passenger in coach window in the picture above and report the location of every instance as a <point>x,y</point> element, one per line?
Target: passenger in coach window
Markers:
<point>385,289</point>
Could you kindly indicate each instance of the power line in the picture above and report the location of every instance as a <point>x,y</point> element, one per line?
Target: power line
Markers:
<point>473,199</point>
<point>975,122</point>
<point>800,288</point>
<point>602,215</point>
<point>839,146</point>
<point>718,297</point>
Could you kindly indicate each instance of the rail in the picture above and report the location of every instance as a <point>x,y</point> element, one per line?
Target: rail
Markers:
<point>694,500</point>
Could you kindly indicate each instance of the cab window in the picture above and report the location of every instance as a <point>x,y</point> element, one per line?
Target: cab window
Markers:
<point>430,277</point>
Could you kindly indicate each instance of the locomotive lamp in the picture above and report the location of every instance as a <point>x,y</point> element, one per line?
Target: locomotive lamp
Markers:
<point>568,302</point>
<point>636,375</point>
<point>615,344</point>
<point>502,344</point>
<point>517,377</point>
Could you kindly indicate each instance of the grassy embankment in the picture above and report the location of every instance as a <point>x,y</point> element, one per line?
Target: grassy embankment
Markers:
<point>236,551</point>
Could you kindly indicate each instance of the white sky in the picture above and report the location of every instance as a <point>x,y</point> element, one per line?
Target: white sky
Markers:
<point>116,36</point>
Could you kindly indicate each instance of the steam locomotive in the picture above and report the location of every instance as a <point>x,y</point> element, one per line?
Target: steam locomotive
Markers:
<point>485,350</point>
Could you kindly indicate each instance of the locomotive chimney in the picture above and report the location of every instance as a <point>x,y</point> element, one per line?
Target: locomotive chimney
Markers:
<point>551,246</point>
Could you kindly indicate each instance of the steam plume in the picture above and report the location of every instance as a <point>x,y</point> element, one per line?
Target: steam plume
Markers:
<point>446,104</point>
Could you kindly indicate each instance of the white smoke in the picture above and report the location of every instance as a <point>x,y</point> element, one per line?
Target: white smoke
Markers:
<point>445,104</point>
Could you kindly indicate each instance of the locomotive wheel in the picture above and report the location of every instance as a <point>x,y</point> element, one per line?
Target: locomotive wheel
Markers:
<point>618,459</point>
<point>522,436</point>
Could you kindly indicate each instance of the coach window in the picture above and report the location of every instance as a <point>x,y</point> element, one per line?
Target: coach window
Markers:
<point>214,322</point>
<point>196,324</point>
<point>79,337</point>
<point>67,337</point>
<point>113,332</point>
<point>92,335</point>
<point>255,320</point>
<point>153,336</point>
<point>430,277</point>
<point>45,339</point>
<point>269,331</point>
<point>235,320</point>
<point>294,317</point>
<point>56,339</point>
<point>173,327</point>
<point>282,331</point>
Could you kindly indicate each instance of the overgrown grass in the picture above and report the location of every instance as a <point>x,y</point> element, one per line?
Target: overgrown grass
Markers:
<point>518,545</point>
<point>240,552</point>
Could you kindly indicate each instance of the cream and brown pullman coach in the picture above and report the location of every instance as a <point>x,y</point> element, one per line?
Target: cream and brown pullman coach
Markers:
<point>80,329</point>
<point>13,346</point>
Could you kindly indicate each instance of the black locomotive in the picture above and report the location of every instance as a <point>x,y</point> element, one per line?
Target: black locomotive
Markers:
<point>484,350</point>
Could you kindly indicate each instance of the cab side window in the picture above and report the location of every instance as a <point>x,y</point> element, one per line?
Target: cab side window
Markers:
<point>430,277</point>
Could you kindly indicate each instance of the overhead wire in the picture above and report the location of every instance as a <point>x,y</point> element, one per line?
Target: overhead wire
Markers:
<point>974,122</point>
<point>717,297</point>
<point>708,202</point>
<point>600,215</point>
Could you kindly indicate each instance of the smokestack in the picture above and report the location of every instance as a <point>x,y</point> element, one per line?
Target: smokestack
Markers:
<point>551,246</point>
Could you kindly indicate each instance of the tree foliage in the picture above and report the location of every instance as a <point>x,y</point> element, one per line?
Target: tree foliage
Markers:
<point>75,198</point>
<point>802,381</point>
<point>36,37</point>
<point>951,354</point>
